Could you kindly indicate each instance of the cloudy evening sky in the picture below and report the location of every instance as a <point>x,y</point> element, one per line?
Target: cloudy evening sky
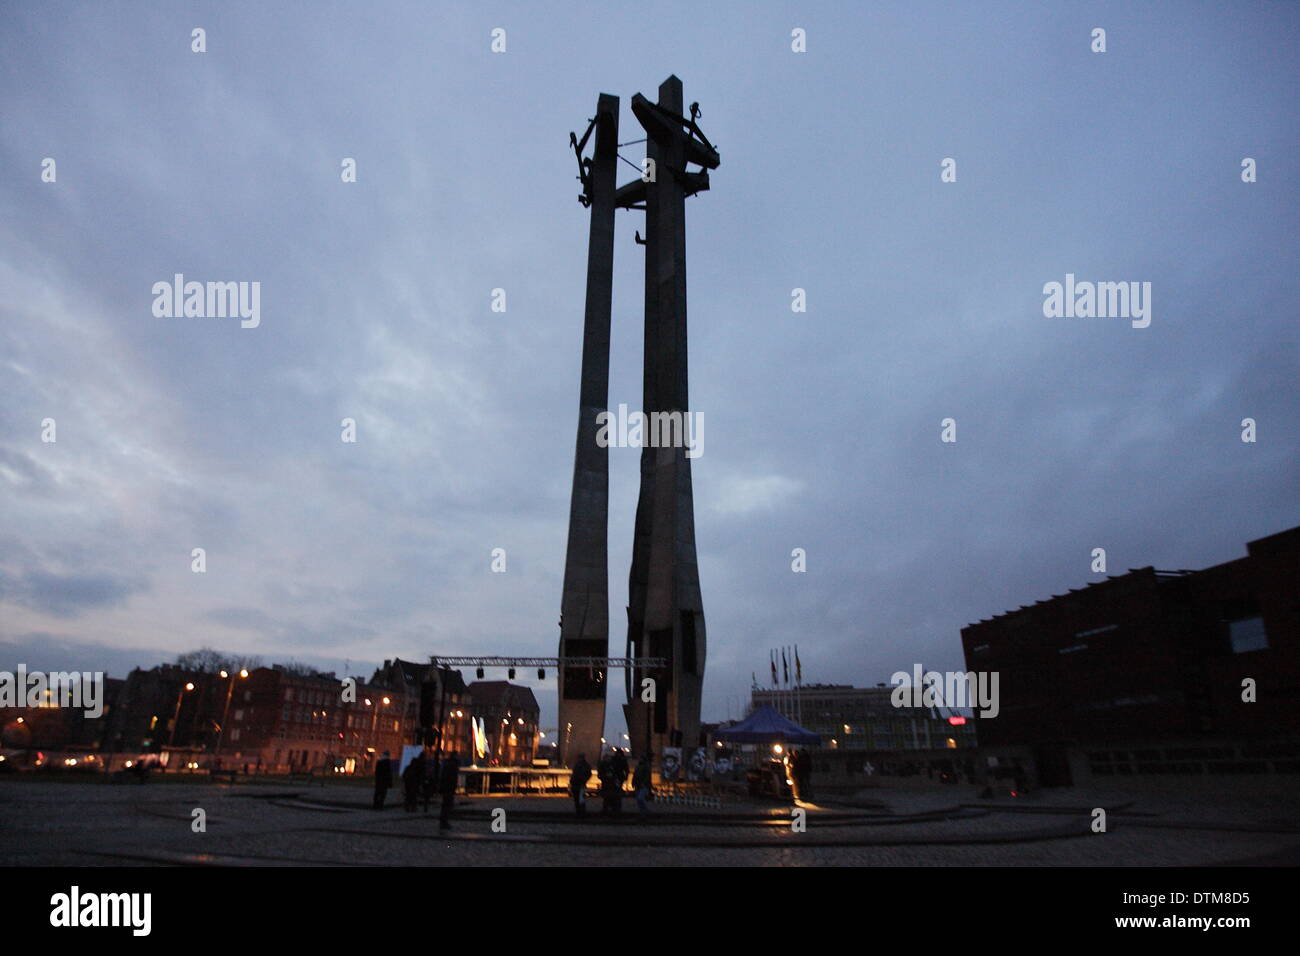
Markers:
<point>822,428</point>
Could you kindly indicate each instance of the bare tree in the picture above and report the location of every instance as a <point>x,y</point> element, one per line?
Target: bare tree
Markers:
<point>206,660</point>
<point>298,669</point>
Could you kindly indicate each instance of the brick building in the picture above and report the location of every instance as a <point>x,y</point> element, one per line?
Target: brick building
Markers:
<point>1141,675</point>
<point>59,728</point>
<point>436,700</point>
<point>508,715</point>
<point>285,722</point>
<point>281,720</point>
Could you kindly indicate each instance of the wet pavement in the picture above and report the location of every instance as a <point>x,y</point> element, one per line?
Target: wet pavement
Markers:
<point>269,823</point>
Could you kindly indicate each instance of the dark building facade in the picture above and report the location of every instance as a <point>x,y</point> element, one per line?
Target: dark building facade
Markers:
<point>1142,674</point>
<point>435,700</point>
<point>865,719</point>
<point>59,728</point>
<point>284,721</point>
<point>164,707</point>
<point>867,741</point>
<point>278,720</point>
<point>507,715</point>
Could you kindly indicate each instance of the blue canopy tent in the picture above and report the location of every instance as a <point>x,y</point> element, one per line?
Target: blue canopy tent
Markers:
<point>766,726</point>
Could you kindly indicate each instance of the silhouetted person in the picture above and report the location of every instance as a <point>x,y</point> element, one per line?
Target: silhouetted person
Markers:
<point>607,775</point>
<point>803,774</point>
<point>383,779</point>
<point>412,780</point>
<point>578,784</point>
<point>641,784</point>
<point>620,778</point>
<point>448,775</point>
<point>432,769</point>
<point>791,774</point>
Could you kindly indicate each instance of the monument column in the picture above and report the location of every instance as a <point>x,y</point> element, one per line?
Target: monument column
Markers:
<point>584,607</point>
<point>665,609</point>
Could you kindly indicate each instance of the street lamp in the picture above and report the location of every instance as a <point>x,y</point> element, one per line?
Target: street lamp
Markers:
<point>176,717</point>
<point>374,718</point>
<point>230,690</point>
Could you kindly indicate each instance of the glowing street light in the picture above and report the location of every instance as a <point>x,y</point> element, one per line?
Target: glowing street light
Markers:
<point>176,717</point>
<point>230,691</point>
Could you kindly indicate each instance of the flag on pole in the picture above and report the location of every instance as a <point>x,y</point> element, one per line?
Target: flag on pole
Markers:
<point>771,660</point>
<point>785,665</point>
<point>798,666</point>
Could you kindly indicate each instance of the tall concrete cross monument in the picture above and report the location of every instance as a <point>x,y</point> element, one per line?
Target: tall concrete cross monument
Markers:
<point>665,611</point>
<point>584,604</point>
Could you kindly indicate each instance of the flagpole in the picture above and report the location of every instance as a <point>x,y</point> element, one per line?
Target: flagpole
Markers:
<point>785,682</point>
<point>798,679</point>
<point>798,696</point>
<point>798,688</point>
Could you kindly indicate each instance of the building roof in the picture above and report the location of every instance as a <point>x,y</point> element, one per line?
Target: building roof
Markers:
<point>414,674</point>
<point>1110,579</point>
<point>490,693</point>
<point>1282,541</point>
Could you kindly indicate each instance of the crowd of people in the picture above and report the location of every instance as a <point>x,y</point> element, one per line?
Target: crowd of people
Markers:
<point>428,774</point>
<point>612,772</point>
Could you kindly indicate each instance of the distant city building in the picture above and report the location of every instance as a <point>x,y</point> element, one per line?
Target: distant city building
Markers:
<point>58,728</point>
<point>864,718</point>
<point>270,719</point>
<point>507,716</point>
<point>285,719</point>
<point>1144,673</point>
<point>161,707</point>
<point>282,721</point>
<point>436,697</point>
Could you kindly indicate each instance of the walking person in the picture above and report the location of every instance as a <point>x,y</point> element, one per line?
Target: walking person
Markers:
<point>448,777</point>
<point>578,784</point>
<point>803,769</point>
<point>641,785</point>
<point>383,779</point>
<point>608,787</point>
<point>429,788</point>
<point>620,778</point>
<point>412,780</point>
<point>791,764</point>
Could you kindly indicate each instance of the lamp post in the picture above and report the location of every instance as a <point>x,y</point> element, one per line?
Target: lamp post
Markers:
<point>442,702</point>
<point>230,690</point>
<point>176,717</point>
<point>374,719</point>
